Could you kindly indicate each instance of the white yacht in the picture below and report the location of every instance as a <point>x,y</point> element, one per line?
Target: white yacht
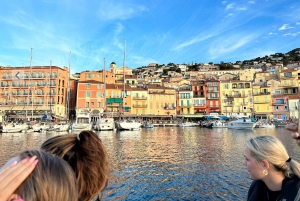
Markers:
<point>105,123</point>
<point>128,125</point>
<point>83,122</point>
<point>241,122</point>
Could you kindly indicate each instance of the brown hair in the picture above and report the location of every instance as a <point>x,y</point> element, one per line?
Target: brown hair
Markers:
<point>87,156</point>
<point>52,179</point>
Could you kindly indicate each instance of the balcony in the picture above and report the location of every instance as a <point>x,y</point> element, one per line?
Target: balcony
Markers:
<point>169,108</point>
<point>289,86</point>
<point>139,106</point>
<point>140,98</point>
<point>199,96</point>
<point>244,103</point>
<point>212,91</point>
<point>261,93</point>
<point>213,106</point>
<point>200,105</point>
<point>157,92</point>
<point>215,98</point>
<point>187,97</point>
<point>186,105</point>
<point>262,102</point>
<point>277,103</point>
<point>228,104</point>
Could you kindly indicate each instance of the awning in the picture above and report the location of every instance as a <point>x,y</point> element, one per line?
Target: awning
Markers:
<point>118,100</point>
<point>109,100</point>
<point>127,107</point>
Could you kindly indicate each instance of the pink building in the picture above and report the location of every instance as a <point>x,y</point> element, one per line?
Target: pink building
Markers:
<point>280,107</point>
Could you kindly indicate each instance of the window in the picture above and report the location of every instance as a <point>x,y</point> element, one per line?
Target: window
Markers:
<point>276,107</point>
<point>226,86</point>
<point>87,94</point>
<point>99,86</point>
<point>88,86</point>
<point>92,103</point>
<point>87,104</point>
<point>99,104</point>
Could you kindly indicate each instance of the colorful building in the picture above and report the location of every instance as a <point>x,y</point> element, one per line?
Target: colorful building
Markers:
<point>139,101</point>
<point>280,107</point>
<point>262,102</point>
<point>213,97</point>
<point>162,100</point>
<point>185,100</point>
<point>199,92</point>
<point>31,92</point>
<point>236,97</point>
<point>90,97</point>
<point>294,105</point>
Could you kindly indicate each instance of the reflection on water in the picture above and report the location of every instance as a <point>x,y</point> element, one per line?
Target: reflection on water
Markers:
<point>168,163</point>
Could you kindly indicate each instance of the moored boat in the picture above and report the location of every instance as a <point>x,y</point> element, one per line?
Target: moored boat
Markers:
<point>241,122</point>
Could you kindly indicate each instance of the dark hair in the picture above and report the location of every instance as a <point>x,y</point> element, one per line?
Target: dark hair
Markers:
<point>87,156</point>
<point>52,179</point>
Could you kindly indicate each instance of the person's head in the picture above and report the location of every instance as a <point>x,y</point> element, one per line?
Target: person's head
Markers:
<point>87,156</point>
<point>52,179</point>
<point>264,154</point>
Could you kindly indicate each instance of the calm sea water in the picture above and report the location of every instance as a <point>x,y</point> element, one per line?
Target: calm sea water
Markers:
<point>169,163</point>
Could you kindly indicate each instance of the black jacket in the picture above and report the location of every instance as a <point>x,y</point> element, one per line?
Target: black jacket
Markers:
<point>290,190</point>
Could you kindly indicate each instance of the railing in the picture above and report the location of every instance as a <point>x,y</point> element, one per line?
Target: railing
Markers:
<point>199,96</point>
<point>139,106</point>
<point>258,102</point>
<point>186,105</point>
<point>213,106</point>
<point>157,92</point>
<point>261,93</point>
<point>212,97</point>
<point>140,98</point>
<point>200,105</point>
<point>169,108</point>
<point>275,103</point>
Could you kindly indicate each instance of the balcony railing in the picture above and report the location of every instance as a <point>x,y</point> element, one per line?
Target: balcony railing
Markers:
<point>169,108</point>
<point>213,106</point>
<point>212,97</point>
<point>139,106</point>
<point>276,103</point>
<point>262,102</point>
<point>261,93</point>
<point>186,105</point>
<point>140,98</point>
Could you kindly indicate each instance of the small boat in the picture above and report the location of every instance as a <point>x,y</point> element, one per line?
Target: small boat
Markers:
<point>148,125</point>
<point>187,124</point>
<point>42,126</point>
<point>12,128</point>
<point>241,122</point>
<point>219,124</point>
<point>105,122</point>
<point>62,126</point>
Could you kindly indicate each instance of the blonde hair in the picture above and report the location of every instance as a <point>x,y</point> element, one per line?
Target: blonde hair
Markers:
<point>271,149</point>
<point>52,179</point>
<point>87,156</point>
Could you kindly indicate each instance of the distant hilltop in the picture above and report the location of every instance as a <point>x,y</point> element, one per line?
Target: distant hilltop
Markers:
<point>274,59</point>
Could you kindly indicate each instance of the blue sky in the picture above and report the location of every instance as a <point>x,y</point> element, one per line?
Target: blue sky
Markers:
<point>159,31</point>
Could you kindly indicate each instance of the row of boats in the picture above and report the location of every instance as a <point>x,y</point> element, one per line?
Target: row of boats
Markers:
<point>84,122</point>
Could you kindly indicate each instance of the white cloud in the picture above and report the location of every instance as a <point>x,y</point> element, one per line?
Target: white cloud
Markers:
<point>241,8</point>
<point>191,42</point>
<point>251,2</point>
<point>271,33</point>
<point>229,15</point>
<point>112,10</point>
<point>230,6</point>
<point>297,23</point>
<point>292,34</point>
<point>284,27</point>
<point>224,2</point>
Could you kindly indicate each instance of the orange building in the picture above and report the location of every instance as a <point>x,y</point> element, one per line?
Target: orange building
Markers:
<point>90,97</point>
<point>31,92</point>
<point>98,76</point>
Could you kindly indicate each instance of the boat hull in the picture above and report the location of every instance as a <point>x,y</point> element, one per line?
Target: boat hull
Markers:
<point>128,125</point>
<point>241,125</point>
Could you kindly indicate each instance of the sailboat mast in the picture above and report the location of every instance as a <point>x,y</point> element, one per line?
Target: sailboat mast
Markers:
<point>32,86</point>
<point>68,90</point>
<point>124,63</point>
<point>50,88</point>
<point>104,80</point>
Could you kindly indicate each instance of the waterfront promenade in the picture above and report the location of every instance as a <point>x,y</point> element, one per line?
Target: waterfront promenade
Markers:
<point>169,163</point>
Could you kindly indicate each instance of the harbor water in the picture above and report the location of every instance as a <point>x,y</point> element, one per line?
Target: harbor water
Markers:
<point>168,163</point>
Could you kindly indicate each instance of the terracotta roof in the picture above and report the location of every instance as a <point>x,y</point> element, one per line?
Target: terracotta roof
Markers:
<point>297,96</point>
<point>288,70</point>
<point>138,89</point>
<point>118,86</point>
<point>234,81</point>
<point>91,81</point>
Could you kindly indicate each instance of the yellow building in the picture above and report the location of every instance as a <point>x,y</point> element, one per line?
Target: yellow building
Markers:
<point>262,102</point>
<point>185,100</point>
<point>162,100</point>
<point>289,81</point>
<point>116,100</point>
<point>139,101</point>
<point>236,97</point>
<point>247,74</point>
